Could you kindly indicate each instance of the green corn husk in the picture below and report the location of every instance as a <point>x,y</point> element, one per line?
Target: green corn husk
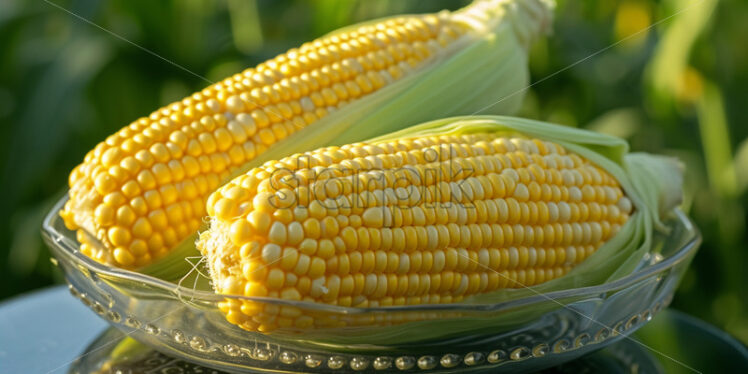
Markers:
<point>483,71</point>
<point>653,184</point>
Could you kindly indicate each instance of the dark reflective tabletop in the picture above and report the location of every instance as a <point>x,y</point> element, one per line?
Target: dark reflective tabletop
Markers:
<point>51,332</point>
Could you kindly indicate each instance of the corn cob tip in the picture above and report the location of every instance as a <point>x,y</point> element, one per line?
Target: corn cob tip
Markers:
<point>529,19</point>
<point>665,175</point>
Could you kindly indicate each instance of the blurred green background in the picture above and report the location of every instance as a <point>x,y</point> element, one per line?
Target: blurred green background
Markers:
<point>670,76</point>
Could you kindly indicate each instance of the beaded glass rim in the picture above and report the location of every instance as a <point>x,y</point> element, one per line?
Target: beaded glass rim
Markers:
<point>292,356</point>
<point>70,248</point>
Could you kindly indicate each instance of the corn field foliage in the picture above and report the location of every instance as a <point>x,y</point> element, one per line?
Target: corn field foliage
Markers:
<point>670,76</point>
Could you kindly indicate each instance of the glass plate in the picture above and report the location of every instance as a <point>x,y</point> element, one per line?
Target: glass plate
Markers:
<point>544,329</point>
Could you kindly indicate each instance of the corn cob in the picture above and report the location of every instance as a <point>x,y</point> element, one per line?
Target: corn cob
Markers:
<point>142,192</point>
<point>429,215</point>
